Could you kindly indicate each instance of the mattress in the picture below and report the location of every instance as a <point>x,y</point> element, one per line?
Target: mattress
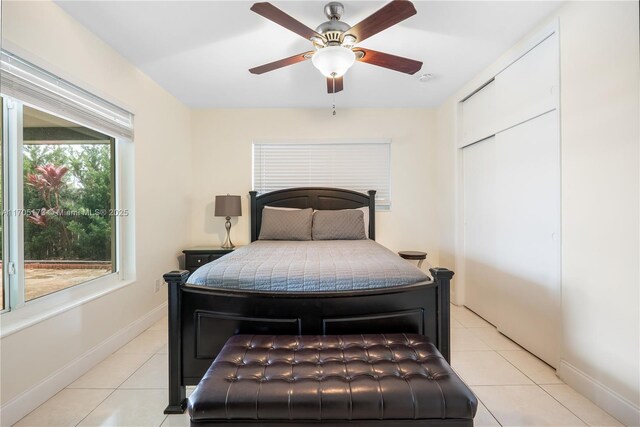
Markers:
<point>308,266</point>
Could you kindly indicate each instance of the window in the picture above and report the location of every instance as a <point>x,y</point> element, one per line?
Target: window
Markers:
<point>354,165</point>
<point>68,183</point>
<point>61,210</point>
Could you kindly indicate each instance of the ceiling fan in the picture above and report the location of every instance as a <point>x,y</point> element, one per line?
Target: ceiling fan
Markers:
<point>335,41</point>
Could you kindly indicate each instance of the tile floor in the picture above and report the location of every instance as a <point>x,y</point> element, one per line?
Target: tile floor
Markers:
<point>514,388</point>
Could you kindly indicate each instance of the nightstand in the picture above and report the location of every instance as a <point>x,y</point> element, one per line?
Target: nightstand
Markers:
<point>414,255</point>
<point>200,255</point>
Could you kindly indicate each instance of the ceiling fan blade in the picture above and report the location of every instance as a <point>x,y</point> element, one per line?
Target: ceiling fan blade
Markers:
<point>339,84</point>
<point>386,60</point>
<point>281,63</point>
<point>274,14</point>
<point>391,14</point>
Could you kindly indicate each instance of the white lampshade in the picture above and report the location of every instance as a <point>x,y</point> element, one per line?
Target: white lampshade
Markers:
<point>333,60</point>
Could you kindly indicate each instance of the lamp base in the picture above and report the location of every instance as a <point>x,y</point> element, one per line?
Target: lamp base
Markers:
<point>228,244</point>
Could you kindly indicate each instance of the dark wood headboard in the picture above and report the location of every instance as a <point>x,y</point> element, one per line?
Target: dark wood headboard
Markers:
<point>312,197</point>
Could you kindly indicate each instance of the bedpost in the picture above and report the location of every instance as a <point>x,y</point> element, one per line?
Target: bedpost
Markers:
<point>372,214</point>
<point>177,396</point>
<point>443,276</point>
<point>253,212</point>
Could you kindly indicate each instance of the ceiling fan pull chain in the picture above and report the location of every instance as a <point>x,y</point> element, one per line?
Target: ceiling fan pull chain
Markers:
<point>333,75</point>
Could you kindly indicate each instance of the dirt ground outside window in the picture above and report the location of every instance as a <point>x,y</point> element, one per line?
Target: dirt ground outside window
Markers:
<point>43,281</point>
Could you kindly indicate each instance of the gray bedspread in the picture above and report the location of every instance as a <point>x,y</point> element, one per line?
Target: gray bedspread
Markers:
<point>308,266</point>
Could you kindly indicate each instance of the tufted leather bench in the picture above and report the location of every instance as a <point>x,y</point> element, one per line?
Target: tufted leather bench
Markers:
<point>392,379</point>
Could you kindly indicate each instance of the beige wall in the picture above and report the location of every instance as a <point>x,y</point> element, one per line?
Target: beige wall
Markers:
<point>222,144</point>
<point>600,196</point>
<point>42,33</point>
<point>599,107</point>
<point>446,179</point>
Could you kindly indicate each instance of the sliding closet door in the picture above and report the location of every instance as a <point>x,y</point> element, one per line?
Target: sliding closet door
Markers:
<point>479,165</point>
<point>511,200</point>
<point>527,180</point>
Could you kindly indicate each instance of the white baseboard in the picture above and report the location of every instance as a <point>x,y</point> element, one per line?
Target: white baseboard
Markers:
<point>21,405</point>
<point>625,411</point>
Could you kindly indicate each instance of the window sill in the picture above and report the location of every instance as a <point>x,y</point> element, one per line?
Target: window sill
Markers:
<point>52,305</point>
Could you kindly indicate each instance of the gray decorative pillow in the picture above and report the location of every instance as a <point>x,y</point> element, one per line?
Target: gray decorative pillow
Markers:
<point>347,224</point>
<point>365,212</point>
<point>280,224</point>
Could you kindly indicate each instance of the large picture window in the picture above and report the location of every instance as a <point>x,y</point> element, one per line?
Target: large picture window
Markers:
<point>60,204</point>
<point>68,198</point>
<point>353,165</point>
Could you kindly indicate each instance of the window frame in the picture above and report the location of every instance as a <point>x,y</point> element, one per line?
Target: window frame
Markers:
<point>18,313</point>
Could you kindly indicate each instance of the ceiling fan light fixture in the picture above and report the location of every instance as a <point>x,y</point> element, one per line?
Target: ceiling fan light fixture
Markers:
<point>333,60</point>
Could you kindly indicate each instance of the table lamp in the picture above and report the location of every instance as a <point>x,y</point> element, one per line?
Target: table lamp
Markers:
<point>228,206</point>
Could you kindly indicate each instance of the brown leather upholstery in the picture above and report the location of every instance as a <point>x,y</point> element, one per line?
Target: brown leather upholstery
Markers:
<point>335,377</point>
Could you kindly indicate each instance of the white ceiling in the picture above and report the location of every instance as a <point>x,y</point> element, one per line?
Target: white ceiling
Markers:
<point>200,51</point>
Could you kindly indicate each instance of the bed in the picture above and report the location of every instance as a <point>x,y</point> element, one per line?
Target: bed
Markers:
<point>230,296</point>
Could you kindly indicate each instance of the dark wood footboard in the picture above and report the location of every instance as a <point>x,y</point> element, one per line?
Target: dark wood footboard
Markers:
<point>201,319</point>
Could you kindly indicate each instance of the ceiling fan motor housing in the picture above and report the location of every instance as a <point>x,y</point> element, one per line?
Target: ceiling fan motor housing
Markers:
<point>333,29</point>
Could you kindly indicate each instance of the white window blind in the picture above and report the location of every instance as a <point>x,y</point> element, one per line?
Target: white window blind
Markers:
<point>353,165</point>
<point>35,86</point>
